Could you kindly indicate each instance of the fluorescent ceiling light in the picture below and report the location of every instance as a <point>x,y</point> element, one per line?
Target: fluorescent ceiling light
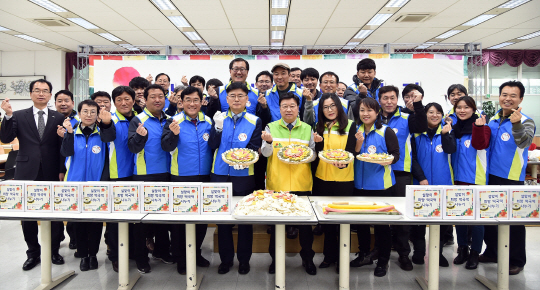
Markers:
<point>48,5</point>
<point>379,19</point>
<point>423,46</point>
<point>353,44</point>
<point>529,36</point>
<point>277,44</point>
<point>431,42</point>
<point>278,34</point>
<point>501,45</point>
<point>3,28</point>
<point>83,23</point>
<point>179,21</point>
<point>128,46</point>
<point>280,3</point>
<point>363,33</point>
<point>513,4</point>
<point>479,20</point>
<point>202,45</point>
<point>449,34</point>
<point>279,20</point>
<point>192,35</point>
<point>396,3</point>
<point>164,4</point>
<point>29,38</point>
<point>109,36</point>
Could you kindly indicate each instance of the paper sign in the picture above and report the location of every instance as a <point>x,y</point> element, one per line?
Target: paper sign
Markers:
<point>95,198</point>
<point>66,197</point>
<point>525,203</point>
<point>185,198</point>
<point>216,198</point>
<point>38,197</point>
<point>12,196</point>
<point>459,202</point>
<point>427,203</point>
<point>155,198</point>
<point>493,203</point>
<point>125,198</point>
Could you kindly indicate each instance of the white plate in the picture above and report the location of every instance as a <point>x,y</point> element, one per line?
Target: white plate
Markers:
<point>270,217</point>
<point>358,217</point>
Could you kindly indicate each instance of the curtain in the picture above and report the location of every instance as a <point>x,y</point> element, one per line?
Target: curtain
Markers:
<point>514,58</point>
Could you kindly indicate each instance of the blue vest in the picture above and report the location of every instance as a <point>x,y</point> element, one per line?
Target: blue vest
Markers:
<point>152,159</point>
<point>192,155</point>
<point>74,121</point>
<point>434,162</point>
<point>453,116</point>
<point>251,105</point>
<point>167,102</point>
<point>86,164</point>
<point>399,122</point>
<point>506,159</point>
<point>344,103</point>
<point>354,87</point>
<point>469,164</point>
<point>371,176</point>
<point>120,158</point>
<point>272,99</point>
<point>234,136</point>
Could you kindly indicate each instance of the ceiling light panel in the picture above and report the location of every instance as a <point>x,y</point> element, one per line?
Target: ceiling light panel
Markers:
<point>192,35</point>
<point>83,23</point>
<point>379,19</point>
<point>513,4</point>
<point>179,21</point>
<point>109,36</point>
<point>277,44</point>
<point>279,20</point>
<point>501,45</point>
<point>363,33</point>
<point>397,3</point>
<point>449,34</point>
<point>278,34</point>
<point>280,4</point>
<point>529,36</point>
<point>479,19</point>
<point>48,5</point>
<point>3,28</point>
<point>29,38</point>
<point>164,4</point>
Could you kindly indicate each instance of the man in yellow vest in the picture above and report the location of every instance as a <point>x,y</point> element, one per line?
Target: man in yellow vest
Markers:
<point>281,176</point>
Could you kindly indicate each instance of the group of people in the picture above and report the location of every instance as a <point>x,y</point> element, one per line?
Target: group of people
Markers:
<point>158,135</point>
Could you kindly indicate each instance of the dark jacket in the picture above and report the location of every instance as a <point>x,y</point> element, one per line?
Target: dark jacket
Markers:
<point>354,98</point>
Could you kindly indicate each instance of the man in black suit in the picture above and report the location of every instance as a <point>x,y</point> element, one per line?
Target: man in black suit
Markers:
<point>38,158</point>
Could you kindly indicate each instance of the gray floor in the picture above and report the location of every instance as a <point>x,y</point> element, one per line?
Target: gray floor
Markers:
<point>12,256</point>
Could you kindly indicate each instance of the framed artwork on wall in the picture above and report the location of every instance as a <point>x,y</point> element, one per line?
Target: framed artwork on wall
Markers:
<point>17,87</point>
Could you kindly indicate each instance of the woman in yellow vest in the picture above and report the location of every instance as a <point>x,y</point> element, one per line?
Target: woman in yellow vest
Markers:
<point>333,131</point>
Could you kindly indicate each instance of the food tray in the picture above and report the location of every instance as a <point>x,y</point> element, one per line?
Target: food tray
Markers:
<point>271,217</point>
<point>248,163</point>
<point>284,160</point>
<point>351,158</point>
<point>378,161</point>
<point>357,217</point>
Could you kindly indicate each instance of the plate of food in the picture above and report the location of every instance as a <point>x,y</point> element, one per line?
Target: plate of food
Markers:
<point>268,204</point>
<point>333,155</point>
<point>359,210</point>
<point>375,157</point>
<point>240,156</point>
<point>295,154</point>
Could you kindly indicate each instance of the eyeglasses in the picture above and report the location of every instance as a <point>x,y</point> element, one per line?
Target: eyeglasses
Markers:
<point>238,97</point>
<point>331,107</point>
<point>239,69</point>
<point>291,107</point>
<point>88,113</point>
<point>195,101</point>
<point>264,82</point>
<point>41,92</point>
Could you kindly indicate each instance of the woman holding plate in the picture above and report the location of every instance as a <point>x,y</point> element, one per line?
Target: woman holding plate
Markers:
<point>333,173</point>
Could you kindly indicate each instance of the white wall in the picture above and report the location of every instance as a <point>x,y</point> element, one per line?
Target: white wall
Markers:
<point>51,64</point>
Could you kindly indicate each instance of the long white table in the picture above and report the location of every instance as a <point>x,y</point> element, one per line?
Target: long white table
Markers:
<point>192,281</point>
<point>47,282</point>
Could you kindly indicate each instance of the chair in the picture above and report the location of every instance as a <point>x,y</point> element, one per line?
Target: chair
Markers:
<point>10,165</point>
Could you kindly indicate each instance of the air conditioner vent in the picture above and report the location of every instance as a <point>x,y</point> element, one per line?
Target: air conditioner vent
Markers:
<point>51,22</point>
<point>412,17</point>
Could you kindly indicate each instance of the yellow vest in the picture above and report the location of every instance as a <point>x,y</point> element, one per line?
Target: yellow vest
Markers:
<point>333,140</point>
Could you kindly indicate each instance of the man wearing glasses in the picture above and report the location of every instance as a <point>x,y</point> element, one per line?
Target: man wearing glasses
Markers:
<point>328,84</point>
<point>264,81</point>
<point>38,158</point>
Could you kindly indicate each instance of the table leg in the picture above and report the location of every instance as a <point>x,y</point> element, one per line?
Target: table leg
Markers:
<point>433,260</point>
<point>124,283</point>
<point>192,281</point>
<point>47,282</point>
<point>344,250</point>
<point>534,171</point>
<point>503,261</point>
<point>280,257</point>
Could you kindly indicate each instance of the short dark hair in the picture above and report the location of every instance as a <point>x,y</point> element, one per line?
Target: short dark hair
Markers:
<point>343,84</point>
<point>295,69</point>
<point>88,102</point>
<point>197,78</point>
<point>65,92</point>
<point>100,94</point>
<point>309,72</point>
<point>330,73</point>
<point>341,115</point>
<point>366,63</point>
<point>387,89</point>
<point>214,82</point>
<point>460,88</point>
<point>373,104</point>
<point>238,85</point>
<point>41,81</point>
<point>190,90</point>
<point>151,87</point>
<point>138,83</point>
<point>410,87</point>
<point>514,84</point>
<point>290,95</point>
<point>122,89</point>
<point>237,60</point>
<point>264,73</point>
<point>468,100</point>
<point>163,74</point>
<point>437,107</point>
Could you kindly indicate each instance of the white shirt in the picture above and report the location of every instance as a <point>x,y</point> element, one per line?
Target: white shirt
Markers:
<point>36,115</point>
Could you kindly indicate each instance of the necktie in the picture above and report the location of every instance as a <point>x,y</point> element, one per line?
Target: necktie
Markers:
<point>194,121</point>
<point>235,118</point>
<point>41,124</point>
<point>290,126</point>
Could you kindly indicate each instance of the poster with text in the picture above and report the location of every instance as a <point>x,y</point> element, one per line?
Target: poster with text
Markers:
<point>38,196</point>
<point>95,198</point>
<point>185,198</point>
<point>66,197</point>
<point>216,198</point>
<point>12,196</point>
<point>125,198</point>
<point>155,198</point>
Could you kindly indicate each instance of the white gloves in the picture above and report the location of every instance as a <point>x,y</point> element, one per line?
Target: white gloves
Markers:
<point>240,167</point>
<point>218,120</point>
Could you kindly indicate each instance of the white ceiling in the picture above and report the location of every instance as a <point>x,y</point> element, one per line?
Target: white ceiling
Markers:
<point>247,22</point>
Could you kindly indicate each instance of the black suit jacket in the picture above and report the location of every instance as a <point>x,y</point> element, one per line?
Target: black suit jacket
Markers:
<point>34,152</point>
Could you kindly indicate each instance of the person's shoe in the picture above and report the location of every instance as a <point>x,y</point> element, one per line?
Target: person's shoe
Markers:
<point>514,270</point>
<point>150,244</point>
<point>167,259</point>
<point>72,245</point>
<point>85,264</point>
<point>30,263</point>
<point>405,263</point>
<point>57,259</point>
<point>224,268</point>
<point>115,266</point>
<point>310,267</point>
<point>93,263</point>
<point>361,260</point>
<point>318,230</point>
<point>243,268</point>
<point>443,262</point>
<point>472,262</point>
<point>325,264</point>
<point>418,260</point>
<point>202,262</point>
<point>462,255</point>
<point>382,267</point>
<point>374,254</point>
<point>76,254</point>
<point>292,232</point>
<point>181,268</point>
<point>272,268</point>
<point>143,267</point>
<point>486,259</point>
